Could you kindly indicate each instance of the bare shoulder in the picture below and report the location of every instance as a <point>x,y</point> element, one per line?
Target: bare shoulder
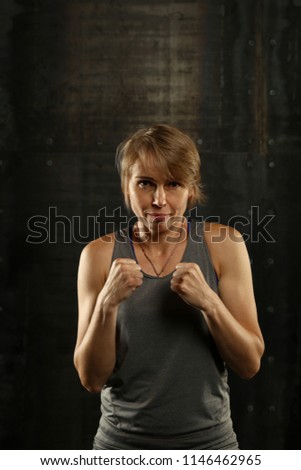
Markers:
<point>102,246</point>
<point>95,261</point>
<point>226,246</point>
<point>221,234</point>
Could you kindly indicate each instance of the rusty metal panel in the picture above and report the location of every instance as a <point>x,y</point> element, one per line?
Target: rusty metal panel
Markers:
<point>75,78</point>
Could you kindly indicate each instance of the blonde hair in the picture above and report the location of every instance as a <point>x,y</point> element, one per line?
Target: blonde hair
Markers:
<point>172,151</point>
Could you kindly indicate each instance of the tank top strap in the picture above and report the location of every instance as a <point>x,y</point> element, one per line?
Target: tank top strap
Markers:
<point>197,252</point>
<point>122,246</point>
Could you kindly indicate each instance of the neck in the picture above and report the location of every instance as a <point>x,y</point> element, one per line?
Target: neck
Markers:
<point>158,239</point>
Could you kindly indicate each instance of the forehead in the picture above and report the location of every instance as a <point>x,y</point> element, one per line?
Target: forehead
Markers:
<point>145,168</point>
<point>151,166</point>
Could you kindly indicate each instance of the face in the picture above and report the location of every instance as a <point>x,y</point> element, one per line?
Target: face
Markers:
<point>158,201</point>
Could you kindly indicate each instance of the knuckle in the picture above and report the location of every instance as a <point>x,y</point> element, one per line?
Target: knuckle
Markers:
<point>117,265</point>
<point>122,268</point>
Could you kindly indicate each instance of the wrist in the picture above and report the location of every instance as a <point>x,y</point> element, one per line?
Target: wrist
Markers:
<point>210,306</point>
<point>106,304</point>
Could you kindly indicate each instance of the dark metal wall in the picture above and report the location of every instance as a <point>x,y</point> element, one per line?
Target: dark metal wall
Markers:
<point>75,78</point>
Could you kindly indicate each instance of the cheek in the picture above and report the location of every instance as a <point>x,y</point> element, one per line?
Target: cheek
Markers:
<point>132,192</point>
<point>137,196</point>
<point>184,198</point>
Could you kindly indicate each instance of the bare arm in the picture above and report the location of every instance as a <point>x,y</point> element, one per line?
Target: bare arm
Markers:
<point>101,288</point>
<point>231,316</point>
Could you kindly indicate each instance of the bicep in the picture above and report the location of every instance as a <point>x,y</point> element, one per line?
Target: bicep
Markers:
<point>236,284</point>
<point>90,281</point>
<point>237,295</point>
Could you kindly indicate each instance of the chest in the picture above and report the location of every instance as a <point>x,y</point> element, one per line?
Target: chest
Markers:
<point>157,262</point>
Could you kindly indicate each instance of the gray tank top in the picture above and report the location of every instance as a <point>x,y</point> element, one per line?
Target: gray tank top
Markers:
<point>170,383</point>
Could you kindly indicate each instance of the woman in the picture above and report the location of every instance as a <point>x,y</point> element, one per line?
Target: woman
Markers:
<point>164,307</point>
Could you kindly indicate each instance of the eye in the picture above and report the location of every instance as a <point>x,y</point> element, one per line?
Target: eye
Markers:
<point>144,183</point>
<point>174,184</point>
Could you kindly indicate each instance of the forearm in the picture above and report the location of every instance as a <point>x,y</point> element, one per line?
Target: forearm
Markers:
<point>239,347</point>
<point>95,356</point>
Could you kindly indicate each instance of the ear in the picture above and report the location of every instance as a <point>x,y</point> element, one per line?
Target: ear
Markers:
<point>191,197</point>
<point>191,193</point>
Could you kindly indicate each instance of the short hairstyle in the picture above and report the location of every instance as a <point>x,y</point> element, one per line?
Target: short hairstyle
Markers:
<point>172,151</point>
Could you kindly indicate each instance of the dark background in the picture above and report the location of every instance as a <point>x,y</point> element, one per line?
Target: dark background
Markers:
<point>75,78</point>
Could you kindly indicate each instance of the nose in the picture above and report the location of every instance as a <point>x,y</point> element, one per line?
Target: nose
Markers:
<point>159,197</point>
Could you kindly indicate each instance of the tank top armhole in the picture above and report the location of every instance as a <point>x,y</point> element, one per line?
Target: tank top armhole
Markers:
<point>131,243</point>
<point>122,247</point>
<point>209,256</point>
<point>114,251</point>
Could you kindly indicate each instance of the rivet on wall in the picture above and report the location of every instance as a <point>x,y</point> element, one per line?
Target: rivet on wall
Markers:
<point>49,162</point>
<point>273,42</point>
<point>250,408</point>
<point>272,92</point>
<point>270,309</point>
<point>271,141</point>
<point>99,142</point>
<point>272,164</point>
<point>272,408</point>
<point>270,261</point>
<point>271,359</point>
<point>49,141</point>
<point>200,141</point>
<point>251,42</point>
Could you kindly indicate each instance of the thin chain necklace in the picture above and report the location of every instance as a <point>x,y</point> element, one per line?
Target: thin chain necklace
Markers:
<point>158,273</point>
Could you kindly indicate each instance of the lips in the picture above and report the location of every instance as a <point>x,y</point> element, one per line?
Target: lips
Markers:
<point>157,217</point>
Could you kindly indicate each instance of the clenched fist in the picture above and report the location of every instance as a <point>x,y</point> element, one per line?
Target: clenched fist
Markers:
<point>124,277</point>
<point>189,283</point>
